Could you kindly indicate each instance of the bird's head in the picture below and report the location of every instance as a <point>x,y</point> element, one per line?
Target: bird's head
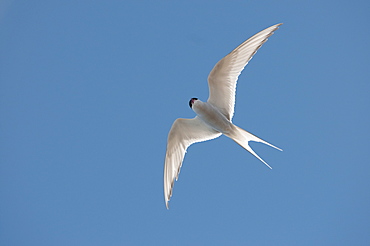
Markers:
<point>191,102</point>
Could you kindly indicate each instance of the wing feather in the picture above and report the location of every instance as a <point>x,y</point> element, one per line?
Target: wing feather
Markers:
<point>223,77</point>
<point>183,133</point>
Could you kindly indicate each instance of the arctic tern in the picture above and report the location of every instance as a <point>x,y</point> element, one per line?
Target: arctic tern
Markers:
<point>214,116</point>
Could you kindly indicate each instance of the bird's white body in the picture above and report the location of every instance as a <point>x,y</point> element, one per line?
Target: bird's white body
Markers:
<point>214,116</point>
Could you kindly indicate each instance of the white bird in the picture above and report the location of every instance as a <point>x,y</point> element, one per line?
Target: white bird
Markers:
<point>214,116</point>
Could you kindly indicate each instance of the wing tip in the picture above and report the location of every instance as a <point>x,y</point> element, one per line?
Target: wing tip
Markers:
<point>277,25</point>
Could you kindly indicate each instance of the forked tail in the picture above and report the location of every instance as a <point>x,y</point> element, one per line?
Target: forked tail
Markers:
<point>242,137</point>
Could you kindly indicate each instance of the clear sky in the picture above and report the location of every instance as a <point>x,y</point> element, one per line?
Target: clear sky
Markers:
<point>89,91</point>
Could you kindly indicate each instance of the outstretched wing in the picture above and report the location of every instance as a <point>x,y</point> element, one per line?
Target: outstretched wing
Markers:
<point>183,133</point>
<point>223,77</point>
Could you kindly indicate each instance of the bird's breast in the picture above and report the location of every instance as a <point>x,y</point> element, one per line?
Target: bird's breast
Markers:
<point>212,117</point>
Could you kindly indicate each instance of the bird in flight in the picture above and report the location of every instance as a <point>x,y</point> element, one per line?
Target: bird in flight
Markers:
<point>214,116</point>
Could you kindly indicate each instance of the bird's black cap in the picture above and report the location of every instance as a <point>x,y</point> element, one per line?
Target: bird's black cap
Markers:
<point>191,100</point>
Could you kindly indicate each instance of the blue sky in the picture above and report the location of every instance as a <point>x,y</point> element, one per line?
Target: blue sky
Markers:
<point>89,91</point>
